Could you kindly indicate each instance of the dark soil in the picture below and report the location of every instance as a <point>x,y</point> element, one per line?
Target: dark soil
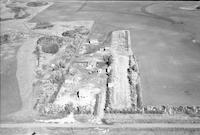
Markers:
<point>50,48</point>
<point>37,4</point>
<point>5,19</point>
<point>17,16</point>
<point>17,11</point>
<point>70,34</point>
<point>43,25</point>
<point>81,30</point>
<point>50,44</point>
<point>51,40</point>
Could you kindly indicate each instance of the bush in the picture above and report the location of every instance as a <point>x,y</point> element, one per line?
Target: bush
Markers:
<point>10,37</point>
<point>4,39</point>
<point>69,52</point>
<point>51,48</point>
<point>69,108</point>
<point>57,77</point>
<point>37,53</point>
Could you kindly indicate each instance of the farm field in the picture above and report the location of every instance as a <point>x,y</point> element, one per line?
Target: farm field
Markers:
<point>101,63</point>
<point>166,53</point>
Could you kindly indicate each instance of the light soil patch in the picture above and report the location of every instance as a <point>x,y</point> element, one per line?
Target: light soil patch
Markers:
<point>25,61</point>
<point>25,71</point>
<point>121,87</point>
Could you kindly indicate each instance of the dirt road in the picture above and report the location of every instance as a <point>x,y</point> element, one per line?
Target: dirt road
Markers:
<point>84,125</point>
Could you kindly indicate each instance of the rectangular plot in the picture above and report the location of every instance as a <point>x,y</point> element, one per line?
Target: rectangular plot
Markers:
<point>120,95</point>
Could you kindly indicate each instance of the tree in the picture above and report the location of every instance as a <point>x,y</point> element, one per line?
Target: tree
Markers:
<point>37,53</point>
